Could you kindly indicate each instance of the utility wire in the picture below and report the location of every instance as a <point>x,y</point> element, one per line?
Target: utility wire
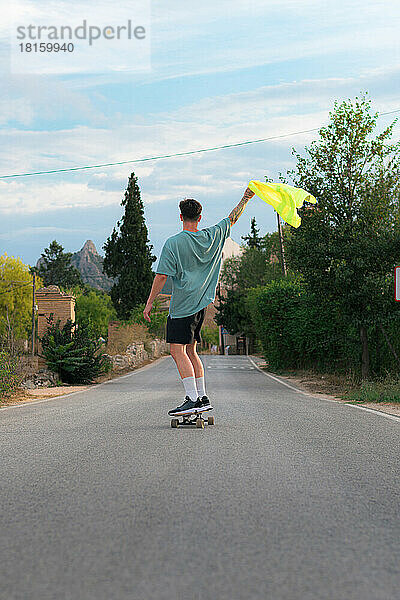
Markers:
<point>163,156</point>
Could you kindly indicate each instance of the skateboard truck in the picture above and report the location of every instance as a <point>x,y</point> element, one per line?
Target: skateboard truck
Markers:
<point>193,419</point>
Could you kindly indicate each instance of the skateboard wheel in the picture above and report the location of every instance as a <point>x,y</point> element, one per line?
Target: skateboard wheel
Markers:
<point>210,420</point>
<point>175,423</point>
<point>200,423</point>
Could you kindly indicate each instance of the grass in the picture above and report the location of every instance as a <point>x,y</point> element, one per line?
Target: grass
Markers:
<point>348,387</point>
<point>125,335</point>
<point>334,384</point>
<point>386,390</point>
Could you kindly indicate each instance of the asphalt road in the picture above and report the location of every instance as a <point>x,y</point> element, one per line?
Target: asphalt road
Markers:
<point>286,497</point>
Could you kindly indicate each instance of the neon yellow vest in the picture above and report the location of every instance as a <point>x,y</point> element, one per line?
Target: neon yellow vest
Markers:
<point>284,198</point>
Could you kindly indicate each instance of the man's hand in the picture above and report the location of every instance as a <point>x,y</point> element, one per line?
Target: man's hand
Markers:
<point>158,284</point>
<point>147,311</point>
<point>248,194</point>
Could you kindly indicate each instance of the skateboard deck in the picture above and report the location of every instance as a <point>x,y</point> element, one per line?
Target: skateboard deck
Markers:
<point>195,419</point>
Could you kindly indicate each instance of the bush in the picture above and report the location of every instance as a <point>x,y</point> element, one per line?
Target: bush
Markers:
<point>73,352</point>
<point>297,330</point>
<point>96,308</point>
<point>10,378</point>
<point>158,319</point>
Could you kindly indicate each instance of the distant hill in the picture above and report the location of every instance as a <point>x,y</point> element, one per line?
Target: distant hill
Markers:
<point>90,265</point>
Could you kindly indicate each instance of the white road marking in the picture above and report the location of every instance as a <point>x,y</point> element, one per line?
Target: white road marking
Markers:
<point>224,367</point>
<point>371,410</point>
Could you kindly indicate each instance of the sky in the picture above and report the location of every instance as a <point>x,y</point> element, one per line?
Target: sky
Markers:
<point>218,73</point>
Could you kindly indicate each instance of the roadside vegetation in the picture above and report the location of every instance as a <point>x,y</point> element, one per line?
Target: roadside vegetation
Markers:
<point>10,376</point>
<point>15,321</point>
<point>74,353</point>
<point>384,390</point>
<point>334,312</point>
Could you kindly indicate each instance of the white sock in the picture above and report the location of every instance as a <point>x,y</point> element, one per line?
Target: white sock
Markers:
<point>190,388</point>
<point>201,386</point>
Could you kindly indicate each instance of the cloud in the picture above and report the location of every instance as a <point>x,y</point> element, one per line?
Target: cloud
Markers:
<point>266,111</point>
<point>36,197</point>
<point>39,231</point>
<point>258,34</point>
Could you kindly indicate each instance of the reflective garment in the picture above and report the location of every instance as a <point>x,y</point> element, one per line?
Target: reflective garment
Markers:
<point>284,198</point>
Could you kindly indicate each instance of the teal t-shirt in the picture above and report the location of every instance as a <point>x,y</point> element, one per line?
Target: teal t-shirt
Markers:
<point>192,259</point>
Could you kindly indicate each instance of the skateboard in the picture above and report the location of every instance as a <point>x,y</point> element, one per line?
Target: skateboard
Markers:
<point>193,419</point>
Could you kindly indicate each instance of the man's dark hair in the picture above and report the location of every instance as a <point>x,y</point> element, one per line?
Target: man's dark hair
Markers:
<point>190,209</point>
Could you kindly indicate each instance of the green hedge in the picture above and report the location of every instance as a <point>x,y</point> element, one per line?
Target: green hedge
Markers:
<point>298,330</point>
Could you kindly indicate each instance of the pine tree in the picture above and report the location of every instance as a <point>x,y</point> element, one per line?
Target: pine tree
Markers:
<point>55,267</point>
<point>128,256</point>
<point>253,240</point>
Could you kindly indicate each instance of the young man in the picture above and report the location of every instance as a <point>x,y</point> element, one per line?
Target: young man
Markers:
<point>192,258</point>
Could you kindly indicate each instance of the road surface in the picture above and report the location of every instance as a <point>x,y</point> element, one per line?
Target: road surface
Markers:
<point>287,497</point>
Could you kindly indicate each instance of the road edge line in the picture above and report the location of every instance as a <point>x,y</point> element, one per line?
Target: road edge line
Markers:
<point>295,389</point>
<point>34,402</point>
<point>371,410</point>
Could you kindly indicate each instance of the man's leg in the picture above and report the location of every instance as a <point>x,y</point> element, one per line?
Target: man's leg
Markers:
<point>185,368</point>
<point>191,351</point>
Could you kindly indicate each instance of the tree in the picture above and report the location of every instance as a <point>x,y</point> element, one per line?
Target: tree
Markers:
<point>256,266</point>
<point>96,308</point>
<point>15,300</point>
<point>55,267</point>
<point>128,256</point>
<point>253,240</point>
<point>232,312</point>
<point>349,242</point>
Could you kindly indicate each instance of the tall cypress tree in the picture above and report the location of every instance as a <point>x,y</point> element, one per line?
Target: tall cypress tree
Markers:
<point>128,256</point>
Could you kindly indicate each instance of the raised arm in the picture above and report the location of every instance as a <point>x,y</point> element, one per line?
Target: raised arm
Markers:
<point>237,211</point>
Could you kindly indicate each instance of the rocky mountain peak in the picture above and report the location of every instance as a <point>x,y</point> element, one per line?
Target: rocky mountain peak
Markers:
<point>90,265</point>
<point>89,246</point>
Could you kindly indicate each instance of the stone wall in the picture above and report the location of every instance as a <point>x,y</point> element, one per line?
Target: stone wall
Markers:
<point>121,335</point>
<point>136,354</point>
<point>34,373</point>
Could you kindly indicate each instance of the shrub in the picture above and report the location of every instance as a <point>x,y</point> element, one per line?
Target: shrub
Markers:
<point>298,330</point>
<point>386,390</point>
<point>126,334</point>
<point>158,319</point>
<point>10,377</point>
<point>73,352</point>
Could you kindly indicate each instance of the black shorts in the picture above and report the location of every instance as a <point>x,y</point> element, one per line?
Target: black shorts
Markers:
<point>186,329</point>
